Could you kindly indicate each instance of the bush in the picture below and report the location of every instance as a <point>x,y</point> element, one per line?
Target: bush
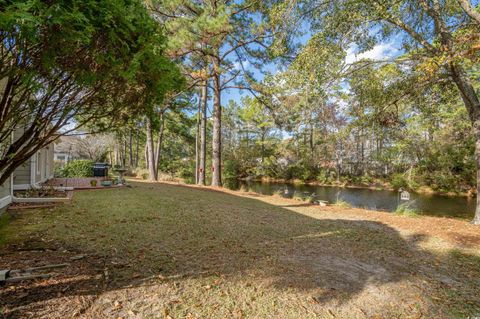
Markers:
<point>78,168</point>
<point>58,169</point>
<point>406,210</point>
<point>142,173</point>
<point>278,192</point>
<point>325,177</point>
<point>270,167</point>
<point>444,182</point>
<point>366,180</point>
<point>231,169</point>
<point>298,196</point>
<point>310,198</point>
<point>399,181</point>
<point>342,203</point>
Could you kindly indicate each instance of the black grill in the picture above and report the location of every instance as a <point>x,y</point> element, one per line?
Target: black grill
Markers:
<point>100,169</point>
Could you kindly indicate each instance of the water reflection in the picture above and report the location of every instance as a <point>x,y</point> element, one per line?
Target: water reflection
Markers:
<point>434,205</point>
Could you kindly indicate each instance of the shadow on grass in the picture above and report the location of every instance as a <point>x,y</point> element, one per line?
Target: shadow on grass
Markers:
<point>177,232</point>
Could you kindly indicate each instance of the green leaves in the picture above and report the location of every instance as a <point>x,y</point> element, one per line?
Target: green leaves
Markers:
<point>74,63</point>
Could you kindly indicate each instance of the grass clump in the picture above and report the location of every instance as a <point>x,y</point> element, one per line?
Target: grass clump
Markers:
<point>406,210</point>
<point>342,203</point>
<point>310,198</point>
<point>278,192</point>
<point>298,196</point>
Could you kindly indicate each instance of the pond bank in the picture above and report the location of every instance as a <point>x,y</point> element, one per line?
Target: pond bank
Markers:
<point>380,185</point>
<point>367,198</point>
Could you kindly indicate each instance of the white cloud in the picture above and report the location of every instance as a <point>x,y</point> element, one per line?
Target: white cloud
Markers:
<point>379,52</point>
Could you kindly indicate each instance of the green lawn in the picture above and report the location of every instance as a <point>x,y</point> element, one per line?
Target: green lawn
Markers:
<point>159,251</point>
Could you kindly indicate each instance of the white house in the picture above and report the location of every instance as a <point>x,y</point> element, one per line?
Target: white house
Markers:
<point>31,174</point>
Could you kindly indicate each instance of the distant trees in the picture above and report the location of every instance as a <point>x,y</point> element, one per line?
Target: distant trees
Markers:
<point>215,38</point>
<point>91,147</point>
<point>439,42</point>
<point>64,65</point>
<point>434,35</point>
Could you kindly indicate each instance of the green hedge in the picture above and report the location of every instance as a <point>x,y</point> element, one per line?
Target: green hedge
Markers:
<point>78,168</point>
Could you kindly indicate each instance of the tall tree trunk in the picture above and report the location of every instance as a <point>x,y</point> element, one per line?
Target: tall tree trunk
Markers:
<point>217,126</point>
<point>312,146</point>
<point>197,138</point>
<point>158,150</point>
<point>472,103</point>
<point>137,147</point>
<point>152,167</point>
<point>262,140</point>
<point>130,148</point>
<point>124,161</point>
<point>203,135</point>
<point>145,154</point>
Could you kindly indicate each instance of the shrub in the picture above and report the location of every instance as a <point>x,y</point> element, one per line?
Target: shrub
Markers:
<point>298,196</point>
<point>270,167</point>
<point>231,169</point>
<point>406,210</point>
<point>141,173</point>
<point>399,181</point>
<point>164,177</point>
<point>342,203</point>
<point>366,180</point>
<point>78,168</point>
<point>278,192</point>
<point>310,198</point>
<point>444,181</point>
<point>325,177</point>
<point>58,169</point>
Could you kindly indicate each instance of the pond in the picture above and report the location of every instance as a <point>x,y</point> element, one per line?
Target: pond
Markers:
<point>425,204</point>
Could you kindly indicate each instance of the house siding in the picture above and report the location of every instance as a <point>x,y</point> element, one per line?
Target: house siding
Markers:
<point>5,189</point>
<point>29,174</point>
<point>50,162</point>
<point>5,195</point>
<point>37,169</point>
<point>39,165</point>
<point>22,174</point>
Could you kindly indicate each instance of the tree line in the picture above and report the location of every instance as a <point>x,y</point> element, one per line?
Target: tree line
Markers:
<point>154,76</point>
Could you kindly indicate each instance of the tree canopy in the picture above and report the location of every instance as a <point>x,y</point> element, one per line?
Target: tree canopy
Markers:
<point>65,64</point>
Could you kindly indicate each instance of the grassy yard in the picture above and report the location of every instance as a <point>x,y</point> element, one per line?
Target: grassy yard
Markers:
<point>167,251</point>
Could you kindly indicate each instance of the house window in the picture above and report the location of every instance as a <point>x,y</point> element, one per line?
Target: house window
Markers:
<point>61,157</point>
<point>39,160</point>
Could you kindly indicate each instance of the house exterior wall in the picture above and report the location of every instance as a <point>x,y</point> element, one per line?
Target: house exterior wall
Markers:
<point>39,166</point>
<point>22,174</point>
<point>36,170</point>
<point>44,164</point>
<point>50,160</point>
<point>5,195</point>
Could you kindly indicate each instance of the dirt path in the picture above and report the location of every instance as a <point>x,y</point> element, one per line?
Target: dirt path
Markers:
<point>170,251</point>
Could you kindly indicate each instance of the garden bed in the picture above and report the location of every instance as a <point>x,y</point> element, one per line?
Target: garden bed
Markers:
<point>22,206</point>
<point>44,195</point>
<point>43,192</point>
